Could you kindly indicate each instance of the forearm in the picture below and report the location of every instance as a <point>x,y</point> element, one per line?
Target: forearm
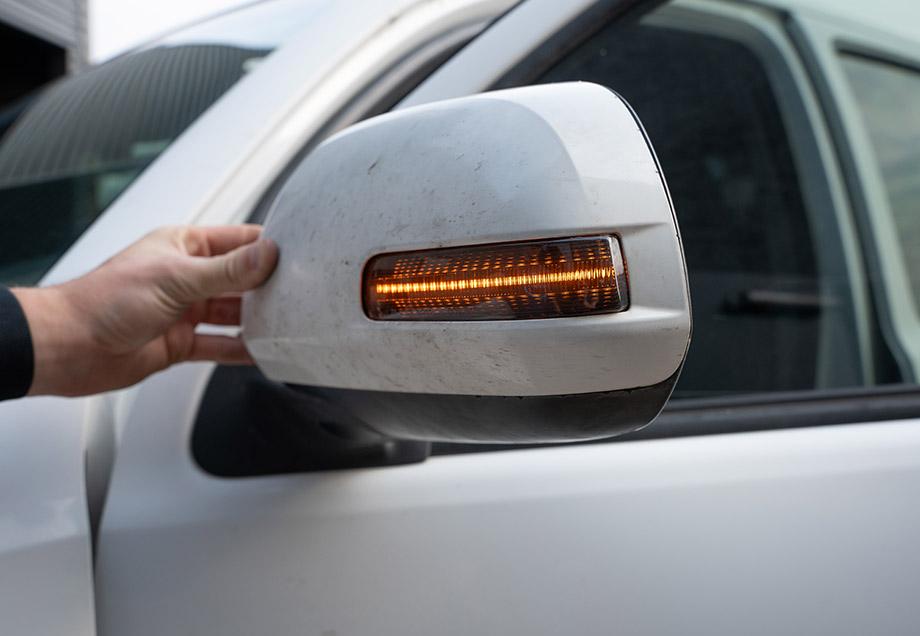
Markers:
<point>62,348</point>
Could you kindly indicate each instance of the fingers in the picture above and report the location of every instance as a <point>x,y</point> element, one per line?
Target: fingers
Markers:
<point>239,270</point>
<point>220,349</point>
<point>217,240</point>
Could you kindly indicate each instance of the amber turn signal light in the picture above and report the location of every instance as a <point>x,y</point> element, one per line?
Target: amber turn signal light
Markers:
<point>506,281</point>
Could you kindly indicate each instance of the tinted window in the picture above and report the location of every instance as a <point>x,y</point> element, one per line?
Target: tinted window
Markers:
<point>762,304</point>
<point>83,141</point>
<point>889,98</point>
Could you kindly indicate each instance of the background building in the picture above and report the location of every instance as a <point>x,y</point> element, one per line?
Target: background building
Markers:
<point>39,41</point>
<point>118,25</point>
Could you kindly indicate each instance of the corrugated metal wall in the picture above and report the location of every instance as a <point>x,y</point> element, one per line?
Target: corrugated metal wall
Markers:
<point>104,118</point>
<point>61,22</point>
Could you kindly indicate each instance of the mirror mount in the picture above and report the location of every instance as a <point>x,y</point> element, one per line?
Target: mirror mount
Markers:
<point>248,425</point>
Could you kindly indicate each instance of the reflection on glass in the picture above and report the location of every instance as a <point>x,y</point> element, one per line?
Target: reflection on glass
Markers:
<point>81,142</point>
<point>889,97</point>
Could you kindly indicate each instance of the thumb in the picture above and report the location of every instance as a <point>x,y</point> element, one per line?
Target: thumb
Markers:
<point>242,269</point>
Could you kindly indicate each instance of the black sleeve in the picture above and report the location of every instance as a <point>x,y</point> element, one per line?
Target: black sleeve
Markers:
<point>16,361</point>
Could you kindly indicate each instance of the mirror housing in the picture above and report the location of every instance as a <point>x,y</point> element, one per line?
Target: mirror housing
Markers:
<point>501,169</point>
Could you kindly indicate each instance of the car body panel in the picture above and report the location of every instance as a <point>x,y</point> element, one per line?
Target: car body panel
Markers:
<point>806,530</point>
<point>46,571</point>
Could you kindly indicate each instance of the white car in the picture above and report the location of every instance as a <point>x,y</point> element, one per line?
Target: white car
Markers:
<point>777,493</point>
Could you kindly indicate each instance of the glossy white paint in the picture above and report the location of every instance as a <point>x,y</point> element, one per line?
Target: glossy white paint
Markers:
<point>533,163</point>
<point>46,575</point>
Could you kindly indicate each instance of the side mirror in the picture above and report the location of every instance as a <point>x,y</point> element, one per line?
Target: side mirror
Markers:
<point>499,268</point>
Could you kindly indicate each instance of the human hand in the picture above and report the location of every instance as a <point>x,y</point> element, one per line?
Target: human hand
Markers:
<point>136,314</point>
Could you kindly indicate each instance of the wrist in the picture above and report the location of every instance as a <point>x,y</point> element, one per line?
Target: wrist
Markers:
<point>59,341</point>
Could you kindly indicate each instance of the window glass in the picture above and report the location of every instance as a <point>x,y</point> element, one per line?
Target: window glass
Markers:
<point>889,98</point>
<point>763,300</point>
<point>81,142</point>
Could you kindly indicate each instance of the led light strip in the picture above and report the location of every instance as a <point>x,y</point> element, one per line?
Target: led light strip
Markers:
<point>545,279</point>
<point>506,281</point>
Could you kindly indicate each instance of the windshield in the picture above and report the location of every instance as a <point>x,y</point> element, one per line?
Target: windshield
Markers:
<point>80,143</point>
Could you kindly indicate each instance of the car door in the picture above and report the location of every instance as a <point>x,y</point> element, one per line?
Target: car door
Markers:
<point>773,496</point>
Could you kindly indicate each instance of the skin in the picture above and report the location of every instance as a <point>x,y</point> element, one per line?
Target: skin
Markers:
<point>137,313</point>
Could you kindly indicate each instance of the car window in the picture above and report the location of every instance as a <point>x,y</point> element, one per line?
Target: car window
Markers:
<point>887,96</point>
<point>82,141</point>
<point>768,280</point>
